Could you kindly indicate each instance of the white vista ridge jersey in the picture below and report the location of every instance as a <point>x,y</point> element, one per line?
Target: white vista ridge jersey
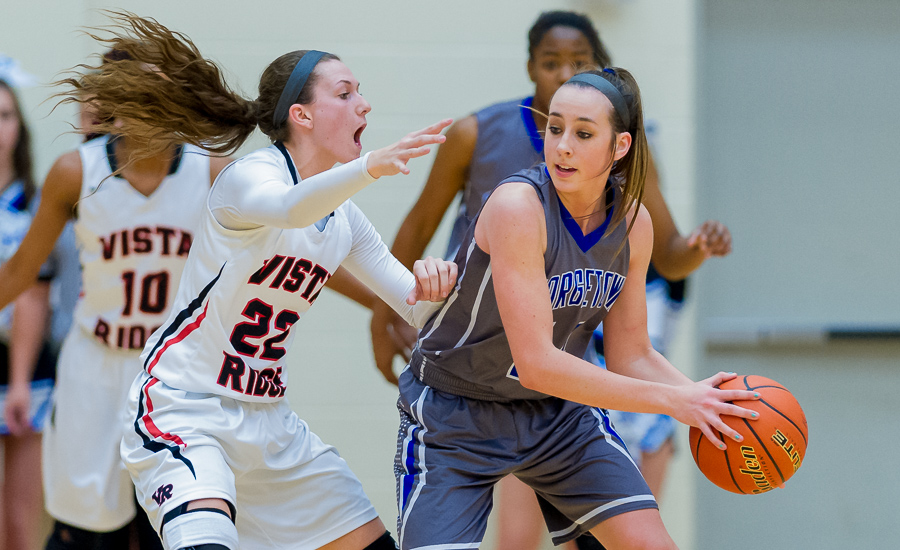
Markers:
<point>133,247</point>
<point>243,290</point>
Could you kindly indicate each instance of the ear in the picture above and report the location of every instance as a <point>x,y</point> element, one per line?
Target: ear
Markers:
<point>300,115</point>
<point>623,144</point>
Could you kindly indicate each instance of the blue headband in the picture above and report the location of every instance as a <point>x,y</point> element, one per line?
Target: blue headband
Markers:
<point>294,85</point>
<point>609,90</point>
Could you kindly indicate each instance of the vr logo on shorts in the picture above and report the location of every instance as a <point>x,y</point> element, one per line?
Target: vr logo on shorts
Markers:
<point>163,494</point>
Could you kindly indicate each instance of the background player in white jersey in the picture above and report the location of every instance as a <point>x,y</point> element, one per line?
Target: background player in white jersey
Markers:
<point>214,450</point>
<point>495,386</point>
<point>133,231</point>
<point>499,140</point>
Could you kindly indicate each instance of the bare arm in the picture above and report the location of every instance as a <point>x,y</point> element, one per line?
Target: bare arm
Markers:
<point>511,229</point>
<point>674,256</point>
<point>29,327</point>
<point>58,198</point>
<point>350,287</point>
<point>448,176</point>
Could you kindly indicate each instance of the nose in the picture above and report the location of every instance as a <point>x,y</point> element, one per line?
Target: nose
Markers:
<point>365,108</point>
<point>566,71</point>
<point>562,146</point>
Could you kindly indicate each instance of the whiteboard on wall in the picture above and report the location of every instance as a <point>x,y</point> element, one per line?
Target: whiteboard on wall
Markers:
<point>799,153</point>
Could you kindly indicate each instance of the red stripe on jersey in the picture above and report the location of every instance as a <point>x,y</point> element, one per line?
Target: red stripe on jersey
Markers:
<point>181,336</point>
<point>148,422</point>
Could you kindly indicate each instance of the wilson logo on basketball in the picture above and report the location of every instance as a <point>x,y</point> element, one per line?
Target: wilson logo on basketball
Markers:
<point>788,447</point>
<point>774,444</point>
<point>753,468</point>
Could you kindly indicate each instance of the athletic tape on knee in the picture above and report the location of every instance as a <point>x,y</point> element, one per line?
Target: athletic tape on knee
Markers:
<point>198,527</point>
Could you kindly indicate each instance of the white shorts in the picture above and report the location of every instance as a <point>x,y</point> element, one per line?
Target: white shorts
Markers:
<point>85,482</point>
<point>290,490</point>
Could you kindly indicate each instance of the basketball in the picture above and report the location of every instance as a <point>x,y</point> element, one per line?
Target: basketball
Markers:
<point>773,448</point>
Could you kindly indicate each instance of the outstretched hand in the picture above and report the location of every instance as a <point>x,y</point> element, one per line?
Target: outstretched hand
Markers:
<point>703,405</point>
<point>434,280</point>
<point>392,159</point>
<point>712,238</point>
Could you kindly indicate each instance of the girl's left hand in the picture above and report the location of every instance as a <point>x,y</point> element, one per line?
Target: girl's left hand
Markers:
<point>434,280</point>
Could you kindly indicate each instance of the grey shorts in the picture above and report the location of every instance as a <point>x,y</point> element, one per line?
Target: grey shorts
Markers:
<point>451,450</point>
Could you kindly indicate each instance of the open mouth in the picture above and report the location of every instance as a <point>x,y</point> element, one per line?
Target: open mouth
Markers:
<point>564,169</point>
<point>357,136</point>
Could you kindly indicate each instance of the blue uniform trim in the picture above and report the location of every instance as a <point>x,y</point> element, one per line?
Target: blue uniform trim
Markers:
<point>533,134</point>
<point>409,477</point>
<point>585,242</point>
<point>13,197</point>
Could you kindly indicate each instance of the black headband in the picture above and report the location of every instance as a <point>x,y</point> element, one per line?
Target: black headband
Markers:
<point>609,90</point>
<point>294,85</point>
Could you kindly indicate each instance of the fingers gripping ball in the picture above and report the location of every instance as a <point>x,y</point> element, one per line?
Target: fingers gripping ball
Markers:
<point>773,448</point>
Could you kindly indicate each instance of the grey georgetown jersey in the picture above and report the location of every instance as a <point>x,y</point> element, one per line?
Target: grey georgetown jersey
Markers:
<point>463,348</point>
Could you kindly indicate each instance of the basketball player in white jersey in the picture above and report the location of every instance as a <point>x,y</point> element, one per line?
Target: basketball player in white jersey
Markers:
<point>218,458</point>
<point>134,230</point>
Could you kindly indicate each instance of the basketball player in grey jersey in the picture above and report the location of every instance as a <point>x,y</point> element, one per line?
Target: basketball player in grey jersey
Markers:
<point>465,349</point>
<point>497,385</point>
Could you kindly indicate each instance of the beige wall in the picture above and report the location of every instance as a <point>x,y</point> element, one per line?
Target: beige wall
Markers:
<point>797,146</point>
<point>418,61</point>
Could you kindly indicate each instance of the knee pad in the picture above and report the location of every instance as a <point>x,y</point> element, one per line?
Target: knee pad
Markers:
<point>200,529</point>
<point>384,542</point>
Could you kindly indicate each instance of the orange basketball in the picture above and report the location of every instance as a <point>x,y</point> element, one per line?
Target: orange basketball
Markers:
<point>773,447</point>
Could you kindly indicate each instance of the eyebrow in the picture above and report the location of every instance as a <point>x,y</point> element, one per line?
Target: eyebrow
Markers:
<point>580,119</point>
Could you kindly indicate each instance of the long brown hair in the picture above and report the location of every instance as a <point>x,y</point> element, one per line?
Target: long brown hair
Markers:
<point>630,171</point>
<point>162,91</point>
<point>22,161</point>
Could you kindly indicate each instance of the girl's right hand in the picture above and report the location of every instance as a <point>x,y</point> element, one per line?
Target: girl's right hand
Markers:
<point>392,159</point>
<point>434,280</point>
<point>16,410</point>
<point>701,404</point>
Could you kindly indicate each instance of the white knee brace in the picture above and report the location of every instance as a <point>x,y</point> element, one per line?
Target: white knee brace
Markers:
<point>197,527</point>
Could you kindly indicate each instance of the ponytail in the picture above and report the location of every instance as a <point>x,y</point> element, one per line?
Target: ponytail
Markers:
<point>158,90</point>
